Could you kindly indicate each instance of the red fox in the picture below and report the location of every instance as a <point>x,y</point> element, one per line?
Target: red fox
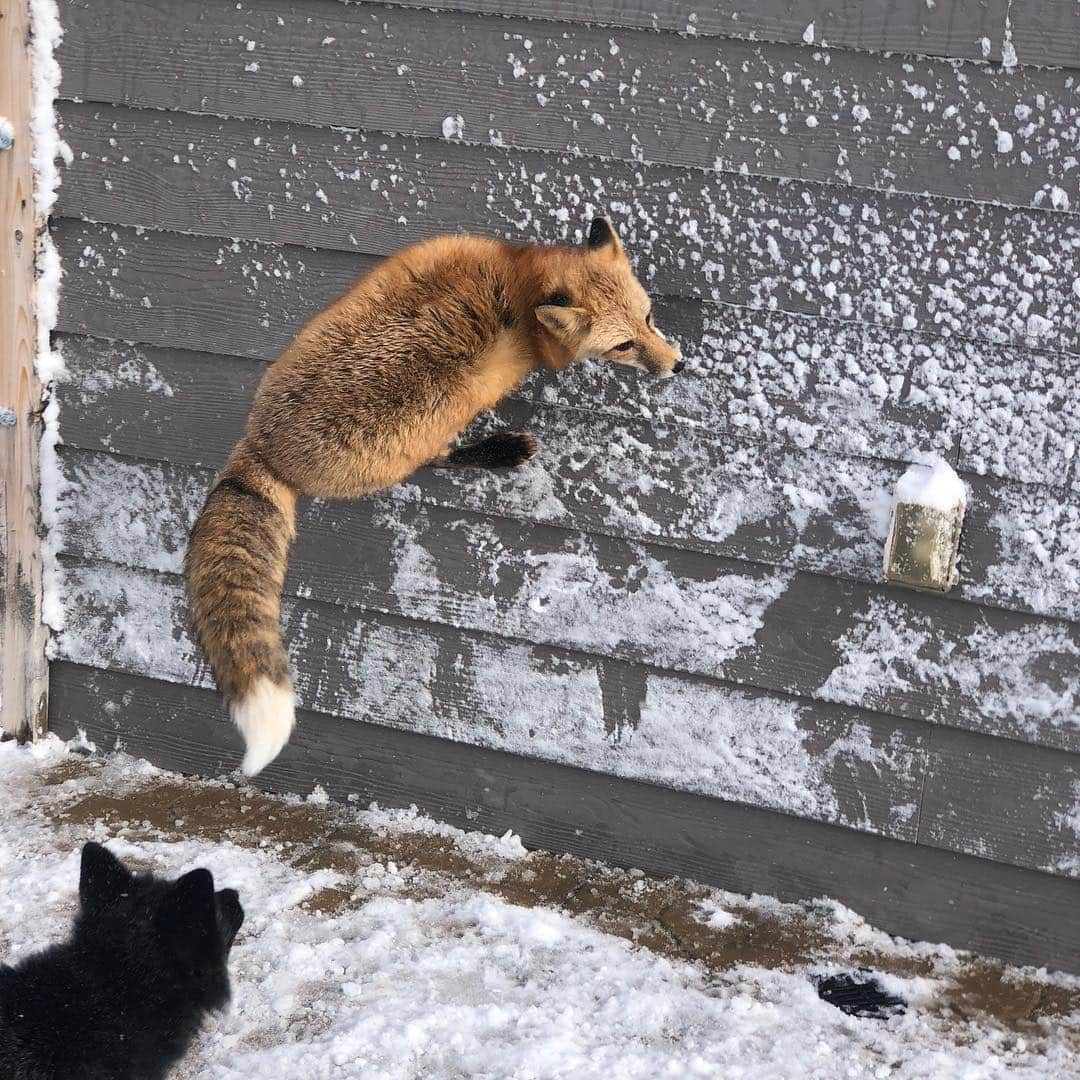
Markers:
<point>371,389</point>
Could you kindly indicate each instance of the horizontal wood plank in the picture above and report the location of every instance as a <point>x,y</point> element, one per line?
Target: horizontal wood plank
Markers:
<point>829,763</point>
<point>1046,32</point>
<point>1002,801</point>
<point>907,889</point>
<point>841,387</point>
<point>962,130</point>
<point>978,271</point>
<point>918,656</point>
<point>743,499</point>
<point>964,30</point>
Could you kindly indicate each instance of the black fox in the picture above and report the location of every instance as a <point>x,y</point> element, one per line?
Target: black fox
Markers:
<point>124,996</point>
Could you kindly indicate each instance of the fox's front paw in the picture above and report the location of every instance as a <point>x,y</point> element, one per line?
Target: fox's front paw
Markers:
<point>503,450</point>
<point>513,448</point>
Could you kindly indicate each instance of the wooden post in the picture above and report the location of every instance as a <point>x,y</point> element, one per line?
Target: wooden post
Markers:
<point>23,667</point>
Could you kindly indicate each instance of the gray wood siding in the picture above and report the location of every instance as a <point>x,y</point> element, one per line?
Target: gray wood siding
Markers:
<point>843,387</point>
<point>1044,32</point>
<point>917,890</point>
<point>974,270</point>
<point>780,111</point>
<point>795,632</point>
<point>747,499</point>
<point>665,641</point>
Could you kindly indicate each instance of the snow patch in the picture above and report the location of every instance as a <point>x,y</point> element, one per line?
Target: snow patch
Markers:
<point>935,486</point>
<point>48,148</point>
<point>461,983</point>
<point>893,649</point>
<point>713,914</point>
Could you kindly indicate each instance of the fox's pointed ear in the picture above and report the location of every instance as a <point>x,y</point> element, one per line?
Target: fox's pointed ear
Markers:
<point>103,878</point>
<point>193,894</point>
<point>188,911</point>
<point>567,324</point>
<point>602,234</point>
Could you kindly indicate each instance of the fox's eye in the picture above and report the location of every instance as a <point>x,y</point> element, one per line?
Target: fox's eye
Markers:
<point>624,346</point>
<point>648,319</point>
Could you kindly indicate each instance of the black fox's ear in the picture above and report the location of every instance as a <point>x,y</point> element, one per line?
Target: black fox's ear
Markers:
<point>193,894</point>
<point>230,913</point>
<point>601,234</point>
<point>103,878</point>
<point>568,324</point>
<point>188,911</point>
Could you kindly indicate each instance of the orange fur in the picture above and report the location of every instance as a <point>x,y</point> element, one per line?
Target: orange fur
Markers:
<point>379,384</point>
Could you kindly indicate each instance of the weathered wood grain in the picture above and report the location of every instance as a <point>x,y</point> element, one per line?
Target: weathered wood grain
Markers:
<point>23,669</point>
<point>743,499</point>
<point>919,656</point>
<point>907,889</point>
<point>980,271</point>
<point>842,387</point>
<point>1046,32</point>
<point>1003,801</point>
<point>882,25</point>
<point>894,123</point>
<point>829,763</point>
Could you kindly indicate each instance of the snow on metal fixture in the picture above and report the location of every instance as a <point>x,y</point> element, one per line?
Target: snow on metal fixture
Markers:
<point>924,533</point>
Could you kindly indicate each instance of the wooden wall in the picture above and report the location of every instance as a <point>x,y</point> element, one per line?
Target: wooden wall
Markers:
<point>665,641</point>
<point>23,665</point>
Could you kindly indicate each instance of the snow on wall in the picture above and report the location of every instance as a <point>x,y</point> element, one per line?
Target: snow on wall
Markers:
<point>509,696</point>
<point>506,694</point>
<point>573,596</point>
<point>45,36</point>
<point>127,512</point>
<point>891,122</point>
<point>859,389</point>
<point>1036,667</point>
<point>845,387</point>
<point>1069,821</point>
<point>568,589</point>
<point>956,268</point>
<point>757,107</point>
<point>1039,542</point>
<point>667,477</point>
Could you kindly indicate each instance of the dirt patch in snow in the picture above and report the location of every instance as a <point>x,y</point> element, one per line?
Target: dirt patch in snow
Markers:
<point>661,915</point>
<point>669,917</point>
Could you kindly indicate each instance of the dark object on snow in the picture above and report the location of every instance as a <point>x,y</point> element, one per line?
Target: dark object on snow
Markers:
<point>126,993</point>
<point>859,995</point>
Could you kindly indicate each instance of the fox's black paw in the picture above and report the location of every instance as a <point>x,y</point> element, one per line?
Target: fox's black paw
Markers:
<point>504,450</point>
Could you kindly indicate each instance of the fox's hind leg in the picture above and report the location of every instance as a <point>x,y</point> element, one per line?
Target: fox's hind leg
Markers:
<point>503,450</point>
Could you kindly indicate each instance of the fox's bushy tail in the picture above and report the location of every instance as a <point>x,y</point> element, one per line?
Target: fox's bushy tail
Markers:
<point>235,571</point>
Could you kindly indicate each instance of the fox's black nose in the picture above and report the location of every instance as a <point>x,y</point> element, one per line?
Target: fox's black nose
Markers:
<point>679,366</point>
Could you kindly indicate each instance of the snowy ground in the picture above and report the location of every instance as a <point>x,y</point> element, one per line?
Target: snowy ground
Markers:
<point>384,945</point>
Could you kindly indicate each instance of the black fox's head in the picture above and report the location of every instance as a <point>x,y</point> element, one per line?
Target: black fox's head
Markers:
<point>137,924</point>
<point>599,308</point>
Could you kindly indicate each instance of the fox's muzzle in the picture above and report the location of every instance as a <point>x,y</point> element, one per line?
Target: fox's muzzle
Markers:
<point>664,361</point>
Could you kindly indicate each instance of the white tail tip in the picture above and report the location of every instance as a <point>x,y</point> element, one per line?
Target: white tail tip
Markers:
<point>265,718</point>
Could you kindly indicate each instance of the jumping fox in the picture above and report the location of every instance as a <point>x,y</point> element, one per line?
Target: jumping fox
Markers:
<point>371,389</point>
